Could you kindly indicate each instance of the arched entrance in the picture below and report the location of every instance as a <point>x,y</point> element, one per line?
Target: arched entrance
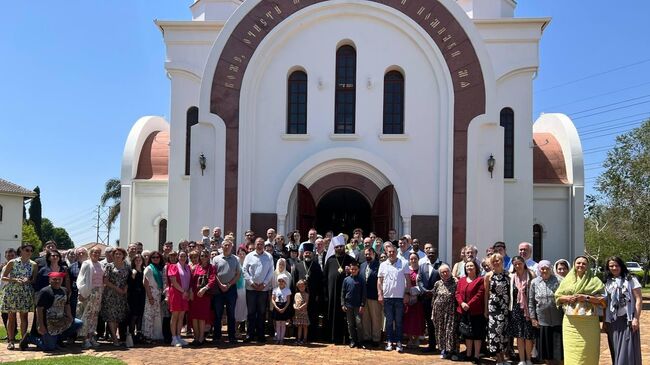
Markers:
<point>343,202</point>
<point>343,210</point>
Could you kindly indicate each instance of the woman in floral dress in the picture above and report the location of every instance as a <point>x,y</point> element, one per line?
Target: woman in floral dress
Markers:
<point>497,284</point>
<point>115,306</point>
<point>18,293</point>
<point>154,282</point>
<point>90,283</point>
<point>443,314</point>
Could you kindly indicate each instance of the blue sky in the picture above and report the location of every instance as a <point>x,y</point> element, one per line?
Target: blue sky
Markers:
<point>77,75</point>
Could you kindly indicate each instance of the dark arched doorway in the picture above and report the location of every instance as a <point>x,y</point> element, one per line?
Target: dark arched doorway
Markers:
<point>342,210</point>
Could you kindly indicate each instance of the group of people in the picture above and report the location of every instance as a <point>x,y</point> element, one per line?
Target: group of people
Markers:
<point>356,290</point>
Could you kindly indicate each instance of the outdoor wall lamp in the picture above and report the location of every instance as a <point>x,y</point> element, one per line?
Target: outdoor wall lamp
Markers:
<point>490,163</point>
<point>202,161</point>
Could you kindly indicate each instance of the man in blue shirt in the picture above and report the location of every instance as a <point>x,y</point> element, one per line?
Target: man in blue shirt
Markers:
<point>258,272</point>
<point>500,248</point>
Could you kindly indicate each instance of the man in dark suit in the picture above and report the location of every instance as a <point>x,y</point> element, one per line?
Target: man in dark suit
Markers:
<point>427,277</point>
<point>373,318</point>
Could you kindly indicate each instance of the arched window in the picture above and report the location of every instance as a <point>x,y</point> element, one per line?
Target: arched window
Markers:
<point>537,242</point>
<point>0,213</point>
<point>346,76</point>
<point>393,103</point>
<point>192,119</point>
<point>508,124</point>
<point>297,103</point>
<point>162,233</point>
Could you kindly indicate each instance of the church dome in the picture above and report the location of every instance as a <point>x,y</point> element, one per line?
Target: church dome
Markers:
<point>549,165</point>
<point>153,163</point>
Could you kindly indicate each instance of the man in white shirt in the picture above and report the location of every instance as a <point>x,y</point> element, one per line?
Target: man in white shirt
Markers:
<point>393,286</point>
<point>258,272</point>
<point>526,251</point>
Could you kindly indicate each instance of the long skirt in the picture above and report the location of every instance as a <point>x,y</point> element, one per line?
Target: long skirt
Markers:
<point>581,340</point>
<point>549,343</point>
<point>624,345</point>
<point>88,311</point>
<point>152,317</point>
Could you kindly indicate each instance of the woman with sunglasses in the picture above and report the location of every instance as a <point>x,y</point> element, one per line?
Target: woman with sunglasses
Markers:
<point>200,312</point>
<point>53,264</point>
<point>154,283</point>
<point>18,293</point>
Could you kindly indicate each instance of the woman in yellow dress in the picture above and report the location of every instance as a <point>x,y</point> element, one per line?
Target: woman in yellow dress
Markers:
<point>579,294</point>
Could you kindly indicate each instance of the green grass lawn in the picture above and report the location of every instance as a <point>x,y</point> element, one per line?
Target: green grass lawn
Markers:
<point>70,360</point>
<point>3,333</point>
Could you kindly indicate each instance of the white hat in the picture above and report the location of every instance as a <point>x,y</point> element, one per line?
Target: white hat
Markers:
<point>338,240</point>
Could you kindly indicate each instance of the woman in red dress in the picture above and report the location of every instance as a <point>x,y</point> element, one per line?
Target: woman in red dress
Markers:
<point>203,279</point>
<point>413,324</point>
<point>470,295</point>
<point>178,295</point>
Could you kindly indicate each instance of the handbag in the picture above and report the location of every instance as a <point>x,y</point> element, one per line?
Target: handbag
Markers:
<point>465,325</point>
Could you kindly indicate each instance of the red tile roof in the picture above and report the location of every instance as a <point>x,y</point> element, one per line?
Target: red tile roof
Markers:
<point>548,160</point>
<point>154,157</point>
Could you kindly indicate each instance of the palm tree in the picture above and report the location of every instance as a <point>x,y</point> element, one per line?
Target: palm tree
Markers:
<point>112,192</point>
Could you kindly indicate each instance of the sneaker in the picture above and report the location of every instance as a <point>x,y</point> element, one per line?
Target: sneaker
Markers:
<point>522,363</point>
<point>389,347</point>
<point>182,341</point>
<point>175,342</point>
<point>87,345</point>
<point>399,347</point>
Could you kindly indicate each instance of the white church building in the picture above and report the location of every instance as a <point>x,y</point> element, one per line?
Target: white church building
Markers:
<point>335,114</point>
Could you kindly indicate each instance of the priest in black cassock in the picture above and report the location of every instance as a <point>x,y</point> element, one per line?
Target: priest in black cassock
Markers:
<point>309,270</point>
<point>335,271</point>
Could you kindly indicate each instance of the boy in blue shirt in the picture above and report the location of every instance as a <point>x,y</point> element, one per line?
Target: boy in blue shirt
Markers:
<point>353,300</point>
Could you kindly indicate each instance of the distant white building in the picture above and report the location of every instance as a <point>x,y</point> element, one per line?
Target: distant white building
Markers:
<point>12,198</point>
<point>340,114</point>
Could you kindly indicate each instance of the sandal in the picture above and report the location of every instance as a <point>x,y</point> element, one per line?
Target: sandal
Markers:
<point>11,346</point>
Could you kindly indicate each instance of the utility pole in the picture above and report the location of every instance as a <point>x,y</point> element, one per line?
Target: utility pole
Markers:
<point>102,231</point>
<point>98,212</point>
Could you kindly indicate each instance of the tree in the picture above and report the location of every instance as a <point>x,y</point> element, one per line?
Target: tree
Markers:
<point>625,185</point>
<point>112,193</point>
<point>30,236</point>
<point>57,234</point>
<point>36,214</point>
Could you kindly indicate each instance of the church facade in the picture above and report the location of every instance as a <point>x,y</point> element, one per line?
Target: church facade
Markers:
<point>407,114</point>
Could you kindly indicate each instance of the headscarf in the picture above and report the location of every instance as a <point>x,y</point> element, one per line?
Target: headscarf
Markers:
<point>544,263</point>
<point>568,264</point>
<point>572,284</point>
<point>184,274</point>
<point>521,282</point>
<point>156,275</point>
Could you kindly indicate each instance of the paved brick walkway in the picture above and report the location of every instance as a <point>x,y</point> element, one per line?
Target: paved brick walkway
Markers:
<point>284,355</point>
